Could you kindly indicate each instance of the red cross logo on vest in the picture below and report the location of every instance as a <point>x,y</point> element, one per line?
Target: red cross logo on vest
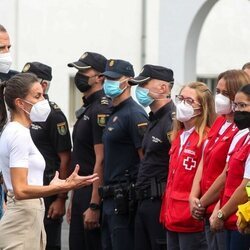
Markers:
<point>189,163</point>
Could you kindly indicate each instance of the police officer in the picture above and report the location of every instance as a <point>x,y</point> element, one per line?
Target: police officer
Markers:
<point>5,72</point>
<point>153,90</point>
<point>52,138</point>
<point>88,150</point>
<point>122,152</point>
<point>5,57</point>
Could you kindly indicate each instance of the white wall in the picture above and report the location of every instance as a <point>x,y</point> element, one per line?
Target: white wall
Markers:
<point>58,32</point>
<point>225,38</point>
<point>152,31</point>
<point>179,30</point>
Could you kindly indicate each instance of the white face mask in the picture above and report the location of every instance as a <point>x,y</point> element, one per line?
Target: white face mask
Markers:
<point>39,111</point>
<point>184,112</point>
<point>222,105</point>
<point>5,62</point>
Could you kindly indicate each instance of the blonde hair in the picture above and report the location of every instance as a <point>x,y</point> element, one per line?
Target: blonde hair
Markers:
<point>206,117</point>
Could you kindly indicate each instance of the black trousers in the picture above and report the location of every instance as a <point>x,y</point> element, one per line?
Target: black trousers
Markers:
<point>53,227</point>
<point>117,229</point>
<point>149,233</point>
<point>80,238</point>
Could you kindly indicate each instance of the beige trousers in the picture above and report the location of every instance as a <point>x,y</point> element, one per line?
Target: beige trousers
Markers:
<point>21,227</point>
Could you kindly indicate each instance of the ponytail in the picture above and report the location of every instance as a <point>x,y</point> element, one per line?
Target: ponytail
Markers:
<point>3,112</point>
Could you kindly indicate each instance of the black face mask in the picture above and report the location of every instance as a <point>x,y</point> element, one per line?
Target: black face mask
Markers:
<point>242,119</point>
<point>81,82</point>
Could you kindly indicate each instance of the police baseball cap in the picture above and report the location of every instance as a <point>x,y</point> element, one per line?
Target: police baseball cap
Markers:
<point>153,72</point>
<point>41,70</point>
<point>90,60</point>
<point>117,68</point>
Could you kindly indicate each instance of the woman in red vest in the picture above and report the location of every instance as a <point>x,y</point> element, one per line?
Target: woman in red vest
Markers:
<point>194,114</point>
<point>234,191</point>
<point>215,153</point>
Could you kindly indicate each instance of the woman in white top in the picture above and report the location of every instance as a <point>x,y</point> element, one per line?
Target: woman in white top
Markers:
<point>22,166</point>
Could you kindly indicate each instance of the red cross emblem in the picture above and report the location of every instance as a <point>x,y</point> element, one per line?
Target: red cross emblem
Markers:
<point>189,163</point>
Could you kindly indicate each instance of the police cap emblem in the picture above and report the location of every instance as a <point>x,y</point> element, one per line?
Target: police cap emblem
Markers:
<point>26,67</point>
<point>111,63</point>
<point>84,55</point>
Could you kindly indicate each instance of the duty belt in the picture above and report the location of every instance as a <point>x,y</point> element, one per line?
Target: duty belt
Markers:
<point>108,191</point>
<point>143,194</point>
<point>151,192</point>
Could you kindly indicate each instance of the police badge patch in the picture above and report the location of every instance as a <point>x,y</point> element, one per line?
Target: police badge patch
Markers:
<point>62,128</point>
<point>102,119</point>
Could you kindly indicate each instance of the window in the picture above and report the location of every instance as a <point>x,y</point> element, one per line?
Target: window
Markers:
<point>210,80</point>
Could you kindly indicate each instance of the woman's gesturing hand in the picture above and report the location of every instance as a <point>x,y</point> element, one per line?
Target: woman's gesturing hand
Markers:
<point>74,181</point>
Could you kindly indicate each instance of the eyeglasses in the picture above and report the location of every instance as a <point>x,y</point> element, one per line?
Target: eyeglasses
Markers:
<point>239,106</point>
<point>188,100</point>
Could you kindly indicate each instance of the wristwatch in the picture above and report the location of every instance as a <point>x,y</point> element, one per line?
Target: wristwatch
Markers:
<point>94,206</point>
<point>220,215</point>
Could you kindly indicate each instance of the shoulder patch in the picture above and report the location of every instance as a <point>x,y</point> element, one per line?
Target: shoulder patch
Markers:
<point>54,106</point>
<point>142,124</point>
<point>62,128</point>
<point>142,127</point>
<point>102,119</point>
<point>104,100</point>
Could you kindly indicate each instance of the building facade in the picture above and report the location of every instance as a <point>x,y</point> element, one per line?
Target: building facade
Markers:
<point>198,38</point>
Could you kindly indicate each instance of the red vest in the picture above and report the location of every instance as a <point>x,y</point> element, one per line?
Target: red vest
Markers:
<point>175,211</point>
<point>215,154</point>
<point>235,175</point>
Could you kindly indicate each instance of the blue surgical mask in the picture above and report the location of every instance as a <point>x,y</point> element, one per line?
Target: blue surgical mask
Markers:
<point>112,88</point>
<point>142,96</point>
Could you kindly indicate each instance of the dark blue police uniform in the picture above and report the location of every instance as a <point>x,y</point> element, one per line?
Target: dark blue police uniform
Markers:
<point>92,118</point>
<point>52,137</point>
<point>121,138</point>
<point>7,76</point>
<point>151,180</point>
<point>155,83</point>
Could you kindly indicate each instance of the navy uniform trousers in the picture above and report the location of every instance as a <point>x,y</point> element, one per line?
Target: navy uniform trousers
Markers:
<point>79,237</point>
